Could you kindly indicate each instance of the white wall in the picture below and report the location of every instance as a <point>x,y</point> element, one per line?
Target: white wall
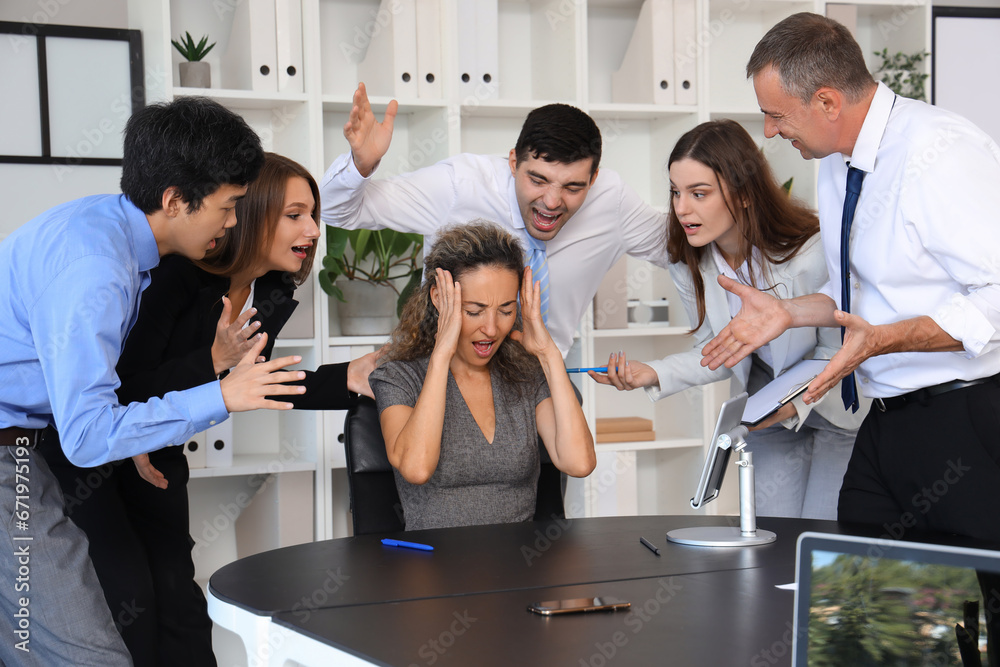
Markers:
<point>27,190</point>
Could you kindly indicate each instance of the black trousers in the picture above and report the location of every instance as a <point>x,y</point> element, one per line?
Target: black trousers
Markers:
<point>933,465</point>
<point>140,545</point>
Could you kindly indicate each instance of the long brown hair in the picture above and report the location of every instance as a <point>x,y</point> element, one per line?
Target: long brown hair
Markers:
<point>460,249</point>
<point>768,219</point>
<point>257,216</point>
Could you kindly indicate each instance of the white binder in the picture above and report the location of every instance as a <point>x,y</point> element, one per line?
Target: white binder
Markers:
<point>194,450</point>
<point>647,72</point>
<point>219,445</point>
<point>250,59</point>
<point>487,81</point>
<point>467,59</point>
<point>685,52</point>
<point>288,42</point>
<point>390,65</point>
<point>429,49</point>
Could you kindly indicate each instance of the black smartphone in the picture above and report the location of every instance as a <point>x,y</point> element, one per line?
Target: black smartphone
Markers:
<point>577,605</point>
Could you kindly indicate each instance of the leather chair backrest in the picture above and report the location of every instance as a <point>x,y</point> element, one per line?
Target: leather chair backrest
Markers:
<point>375,505</point>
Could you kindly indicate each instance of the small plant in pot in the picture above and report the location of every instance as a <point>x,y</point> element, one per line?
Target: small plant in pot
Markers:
<point>194,73</point>
<point>361,270</point>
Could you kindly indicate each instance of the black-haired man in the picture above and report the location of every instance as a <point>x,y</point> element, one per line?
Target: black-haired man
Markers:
<point>70,282</point>
<point>550,177</point>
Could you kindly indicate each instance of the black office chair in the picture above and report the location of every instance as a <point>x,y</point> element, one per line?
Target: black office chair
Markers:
<point>375,505</point>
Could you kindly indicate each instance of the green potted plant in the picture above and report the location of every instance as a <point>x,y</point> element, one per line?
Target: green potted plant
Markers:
<point>901,72</point>
<point>195,73</point>
<point>362,268</point>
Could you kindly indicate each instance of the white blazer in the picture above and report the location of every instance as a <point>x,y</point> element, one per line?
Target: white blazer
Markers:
<point>804,274</point>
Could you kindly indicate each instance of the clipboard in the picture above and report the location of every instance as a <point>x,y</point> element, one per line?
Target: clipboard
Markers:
<point>781,390</point>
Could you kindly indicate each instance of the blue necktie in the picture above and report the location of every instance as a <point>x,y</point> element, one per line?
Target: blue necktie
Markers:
<point>540,272</point>
<point>848,389</point>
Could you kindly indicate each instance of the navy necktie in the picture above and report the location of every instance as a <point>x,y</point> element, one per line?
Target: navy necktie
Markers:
<point>848,389</point>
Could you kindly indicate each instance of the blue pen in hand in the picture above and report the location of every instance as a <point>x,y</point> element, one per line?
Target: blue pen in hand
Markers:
<point>602,369</point>
<point>408,545</point>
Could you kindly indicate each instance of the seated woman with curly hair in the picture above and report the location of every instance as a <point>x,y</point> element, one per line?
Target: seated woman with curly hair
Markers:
<point>465,388</point>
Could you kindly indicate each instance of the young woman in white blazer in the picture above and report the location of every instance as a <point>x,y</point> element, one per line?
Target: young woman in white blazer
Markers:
<point>729,216</point>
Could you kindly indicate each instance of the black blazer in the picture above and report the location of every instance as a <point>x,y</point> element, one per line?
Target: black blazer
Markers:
<point>170,346</point>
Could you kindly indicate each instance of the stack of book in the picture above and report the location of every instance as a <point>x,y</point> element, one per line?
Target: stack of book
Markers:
<point>625,429</point>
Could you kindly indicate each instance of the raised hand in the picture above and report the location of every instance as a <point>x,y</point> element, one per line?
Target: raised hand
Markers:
<point>232,341</point>
<point>249,383</point>
<point>447,297</point>
<point>368,138</point>
<point>626,375</point>
<point>761,319</point>
<point>535,338</point>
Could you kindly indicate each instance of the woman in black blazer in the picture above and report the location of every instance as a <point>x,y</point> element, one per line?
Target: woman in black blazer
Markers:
<point>190,330</point>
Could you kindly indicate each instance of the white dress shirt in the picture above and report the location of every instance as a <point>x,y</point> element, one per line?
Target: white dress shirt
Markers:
<point>613,221</point>
<point>925,238</point>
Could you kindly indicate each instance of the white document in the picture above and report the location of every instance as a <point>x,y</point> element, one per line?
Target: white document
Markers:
<point>647,72</point>
<point>250,59</point>
<point>288,40</point>
<point>685,52</point>
<point>429,78</point>
<point>390,65</point>
<point>194,450</point>
<point>219,445</point>
<point>782,389</point>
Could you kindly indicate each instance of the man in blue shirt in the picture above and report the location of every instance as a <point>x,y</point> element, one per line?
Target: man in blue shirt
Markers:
<point>70,282</point>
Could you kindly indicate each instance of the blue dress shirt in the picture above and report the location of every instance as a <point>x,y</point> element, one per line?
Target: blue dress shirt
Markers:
<point>70,282</point>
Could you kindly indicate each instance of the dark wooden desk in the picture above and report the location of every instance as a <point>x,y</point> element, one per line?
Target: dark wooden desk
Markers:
<point>466,602</point>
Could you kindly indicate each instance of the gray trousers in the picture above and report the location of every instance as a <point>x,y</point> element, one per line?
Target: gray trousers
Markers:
<point>52,610</point>
<point>798,473</point>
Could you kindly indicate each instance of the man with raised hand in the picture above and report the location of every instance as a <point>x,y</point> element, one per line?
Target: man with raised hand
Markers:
<point>908,205</point>
<point>70,283</point>
<point>573,222</point>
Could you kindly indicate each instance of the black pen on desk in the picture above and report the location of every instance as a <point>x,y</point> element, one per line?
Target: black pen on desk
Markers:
<point>649,545</point>
<point>601,369</point>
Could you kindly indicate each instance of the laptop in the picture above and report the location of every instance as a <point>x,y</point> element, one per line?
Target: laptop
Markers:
<point>869,601</point>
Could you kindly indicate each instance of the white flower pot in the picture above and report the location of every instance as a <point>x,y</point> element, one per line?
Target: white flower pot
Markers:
<point>370,309</point>
<point>195,74</point>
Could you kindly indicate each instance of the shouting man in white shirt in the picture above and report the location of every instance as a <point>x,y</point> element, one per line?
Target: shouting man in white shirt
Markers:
<point>547,191</point>
<point>920,302</point>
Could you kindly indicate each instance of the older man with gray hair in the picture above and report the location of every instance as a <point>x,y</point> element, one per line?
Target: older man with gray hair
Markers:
<point>908,205</point>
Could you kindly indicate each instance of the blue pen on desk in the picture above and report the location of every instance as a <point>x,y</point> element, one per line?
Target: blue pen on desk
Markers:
<point>602,369</point>
<point>408,545</point>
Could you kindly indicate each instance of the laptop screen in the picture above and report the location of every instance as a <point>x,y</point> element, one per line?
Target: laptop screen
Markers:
<point>867,601</point>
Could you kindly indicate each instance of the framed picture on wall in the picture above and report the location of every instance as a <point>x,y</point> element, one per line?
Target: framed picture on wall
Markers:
<point>75,88</point>
<point>966,74</point>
